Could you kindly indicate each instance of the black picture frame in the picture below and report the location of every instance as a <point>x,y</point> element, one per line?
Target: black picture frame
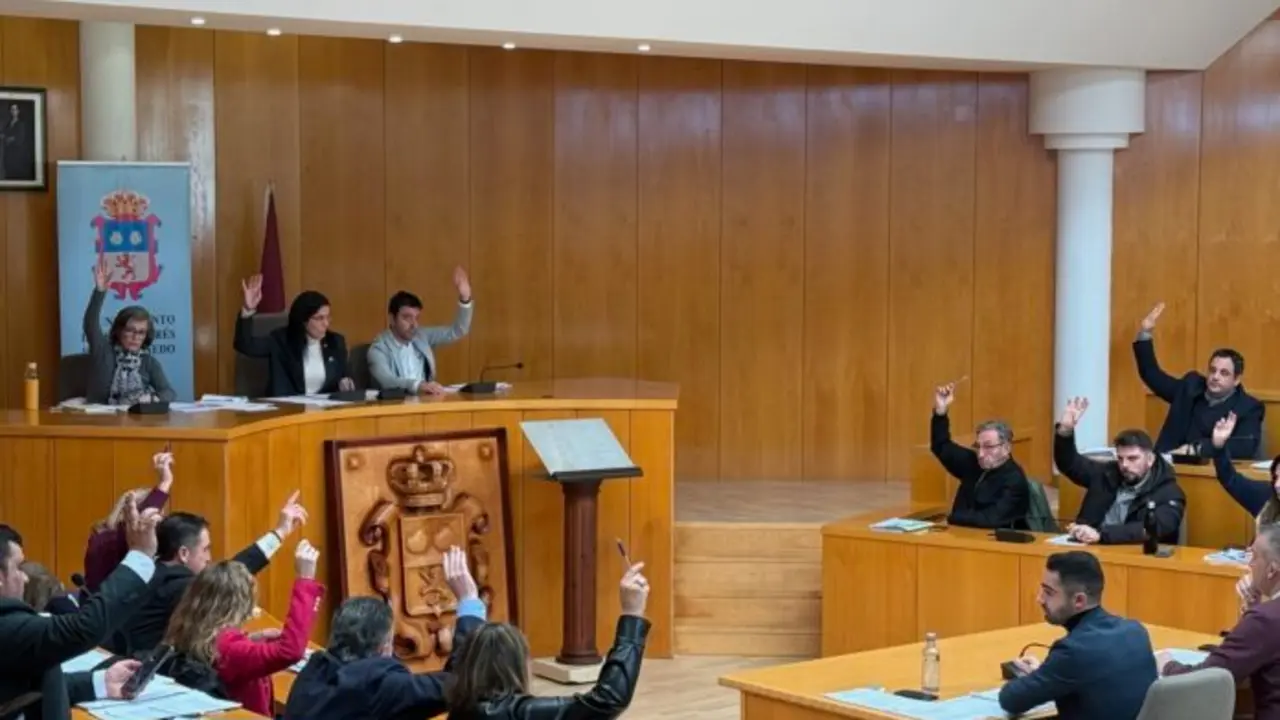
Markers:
<point>24,139</point>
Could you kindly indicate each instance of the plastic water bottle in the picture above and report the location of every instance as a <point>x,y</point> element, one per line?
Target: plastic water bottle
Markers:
<point>1151,543</point>
<point>931,665</point>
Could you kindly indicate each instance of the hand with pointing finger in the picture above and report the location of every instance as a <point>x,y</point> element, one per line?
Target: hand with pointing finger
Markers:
<point>1149,322</point>
<point>292,516</point>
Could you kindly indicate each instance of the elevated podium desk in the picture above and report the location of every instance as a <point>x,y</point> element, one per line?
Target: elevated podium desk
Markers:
<point>60,472</point>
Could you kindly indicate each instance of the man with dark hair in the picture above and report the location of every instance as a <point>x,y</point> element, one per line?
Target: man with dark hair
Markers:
<point>1197,402</point>
<point>1251,651</point>
<point>402,356</point>
<point>32,683</point>
<point>1103,666</point>
<point>1119,493</point>
<point>358,677</point>
<point>184,549</point>
<point>993,490</point>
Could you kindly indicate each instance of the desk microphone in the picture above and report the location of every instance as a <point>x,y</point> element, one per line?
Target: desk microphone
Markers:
<point>483,387</point>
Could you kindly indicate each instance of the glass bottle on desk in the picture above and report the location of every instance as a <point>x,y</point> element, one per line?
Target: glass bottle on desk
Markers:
<point>931,665</point>
<point>31,388</point>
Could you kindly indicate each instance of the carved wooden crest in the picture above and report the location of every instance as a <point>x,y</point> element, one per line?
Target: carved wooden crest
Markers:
<point>397,505</point>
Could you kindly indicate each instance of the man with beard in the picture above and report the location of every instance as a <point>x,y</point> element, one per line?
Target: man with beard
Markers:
<point>1119,493</point>
<point>1197,402</point>
<point>993,489</point>
<point>1101,669</point>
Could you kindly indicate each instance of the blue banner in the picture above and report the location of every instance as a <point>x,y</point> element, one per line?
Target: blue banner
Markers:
<point>136,216</point>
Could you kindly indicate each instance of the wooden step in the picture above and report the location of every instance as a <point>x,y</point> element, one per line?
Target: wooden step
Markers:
<point>773,614</point>
<point>745,643</point>
<point>758,579</point>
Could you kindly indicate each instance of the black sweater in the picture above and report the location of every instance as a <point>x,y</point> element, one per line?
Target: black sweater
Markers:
<point>997,498</point>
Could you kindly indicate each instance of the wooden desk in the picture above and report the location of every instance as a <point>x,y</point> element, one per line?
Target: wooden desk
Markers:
<point>59,472</point>
<point>969,663</point>
<point>1214,520</point>
<point>882,589</point>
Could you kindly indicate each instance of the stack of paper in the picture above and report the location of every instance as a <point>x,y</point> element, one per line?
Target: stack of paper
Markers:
<point>501,387</point>
<point>318,401</point>
<point>85,662</point>
<point>966,707</point>
<point>89,408</point>
<point>903,525</point>
<point>163,699</point>
<point>1228,557</point>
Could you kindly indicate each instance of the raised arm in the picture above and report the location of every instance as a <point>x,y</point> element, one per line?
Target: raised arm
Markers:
<point>245,342</point>
<point>93,311</point>
<point>1077,468</point>
<point>445,334</point>
<point>1247,437</point>
<point>241,658</point>
<point>1165,386</point>
<point>1248,494</point>
<point>960,462</point>
<point>292,516</point>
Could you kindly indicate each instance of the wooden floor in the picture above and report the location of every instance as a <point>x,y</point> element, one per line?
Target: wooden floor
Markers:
<point>685,687</point>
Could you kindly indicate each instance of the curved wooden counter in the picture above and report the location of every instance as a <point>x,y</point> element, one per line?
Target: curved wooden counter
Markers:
<point>59,472</point>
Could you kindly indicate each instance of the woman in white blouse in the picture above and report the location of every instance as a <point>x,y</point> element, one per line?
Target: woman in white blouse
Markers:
<point>303,357</point>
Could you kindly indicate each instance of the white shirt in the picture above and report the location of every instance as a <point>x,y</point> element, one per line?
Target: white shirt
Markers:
<point>409,361</point>
<point>313,367</point>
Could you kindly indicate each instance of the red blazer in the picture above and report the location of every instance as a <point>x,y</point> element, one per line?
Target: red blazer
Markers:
<point>108,547</point>
<point>245,666</point>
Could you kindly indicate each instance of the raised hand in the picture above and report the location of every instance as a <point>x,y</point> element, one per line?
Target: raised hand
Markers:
<point>634,591</point>
<point>1073,412</point>
<point>140,529</point>
<point>252,287</point>
<point>292,516</point>
<point>1223,428</point>
<point>101,273</point>
<point>458,574</point>
<point>943,397</point>
<point>463,284</point>
<point>1149,322</point>
<point>304,560</point>
<point>163,463</point>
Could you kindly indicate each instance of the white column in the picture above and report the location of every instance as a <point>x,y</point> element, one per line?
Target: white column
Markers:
<point>1086,115</point>
<point>108,94</point>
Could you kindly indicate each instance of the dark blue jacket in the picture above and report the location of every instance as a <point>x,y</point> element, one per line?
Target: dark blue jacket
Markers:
<point>1100,671</point>
<point>1191,418</point>
<point>376,687</point>
<point>1251,495</point>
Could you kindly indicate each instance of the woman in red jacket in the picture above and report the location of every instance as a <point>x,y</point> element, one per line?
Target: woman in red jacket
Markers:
<point>214,655</point>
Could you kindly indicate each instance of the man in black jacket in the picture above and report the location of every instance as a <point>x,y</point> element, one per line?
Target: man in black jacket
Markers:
<point>184,550</point>
<point>1119,493</point>
<point>993,489</point>
<point>1197,402</point>
<point>32,684</point>
<point>358,677</point>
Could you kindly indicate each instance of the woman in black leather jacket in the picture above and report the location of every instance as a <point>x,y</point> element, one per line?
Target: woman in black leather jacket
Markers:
<point>491,680</point>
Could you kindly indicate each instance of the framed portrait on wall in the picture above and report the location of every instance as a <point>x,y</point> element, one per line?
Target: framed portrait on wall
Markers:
<point>22,139</point>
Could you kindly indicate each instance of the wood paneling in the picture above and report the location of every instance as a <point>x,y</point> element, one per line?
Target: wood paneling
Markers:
<point>807,250</point>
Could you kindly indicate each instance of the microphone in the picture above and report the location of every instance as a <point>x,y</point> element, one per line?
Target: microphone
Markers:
<point>487,387</point>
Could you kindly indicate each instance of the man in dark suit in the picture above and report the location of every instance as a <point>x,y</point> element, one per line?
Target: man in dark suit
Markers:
<point>184,550</point>
<point>1251,651</point>
<point>993,490</point>
<point>1103,666</point>
<point>32,684</point>
<point>1120,493</point>
<point>1197,402</point>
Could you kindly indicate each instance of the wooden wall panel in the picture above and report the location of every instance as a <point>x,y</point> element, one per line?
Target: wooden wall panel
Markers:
<point>427,186</point>
<point>931,252</point>
<point>341,115</point>
<point>1013,256</point>
<point>678,272</point>
<point>45,54</point>
<point>512,164</point>
<point>1155,240</point>
<point>846,274</point>
<point>27,482</point>
<point>257,144</point>
<point>1239,217</point>
<point>762,270</point>
<point>594,276</point>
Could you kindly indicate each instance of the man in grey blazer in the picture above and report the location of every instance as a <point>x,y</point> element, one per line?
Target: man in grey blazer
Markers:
<point>401,356</point>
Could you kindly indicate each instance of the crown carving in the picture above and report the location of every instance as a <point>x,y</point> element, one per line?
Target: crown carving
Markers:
<point>421,480</point>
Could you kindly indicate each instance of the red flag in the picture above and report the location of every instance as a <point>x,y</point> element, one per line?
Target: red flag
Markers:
<point>272,268</point>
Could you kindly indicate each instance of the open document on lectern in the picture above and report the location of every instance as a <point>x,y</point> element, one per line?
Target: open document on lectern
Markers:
<point>574,447</point>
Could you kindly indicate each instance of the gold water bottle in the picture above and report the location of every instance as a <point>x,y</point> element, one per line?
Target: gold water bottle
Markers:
<point>31,388</point>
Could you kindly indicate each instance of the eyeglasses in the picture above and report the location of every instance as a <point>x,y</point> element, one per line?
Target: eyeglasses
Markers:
<point>988,448</point>
<point>135,332</point>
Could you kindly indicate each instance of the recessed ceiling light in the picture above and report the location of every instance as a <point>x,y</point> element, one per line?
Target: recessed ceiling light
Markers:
<point>643,47</point>
<point>508,46</point>
<point>197,21</point>
<point>273,32</point>
<point>395,39</point>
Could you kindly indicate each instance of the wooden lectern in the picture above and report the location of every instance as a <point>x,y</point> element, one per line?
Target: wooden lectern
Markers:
<point>578,454</point>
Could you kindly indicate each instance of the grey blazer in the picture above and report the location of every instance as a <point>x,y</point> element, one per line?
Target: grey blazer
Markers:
<point>382,366</point>
<point>102,359</point>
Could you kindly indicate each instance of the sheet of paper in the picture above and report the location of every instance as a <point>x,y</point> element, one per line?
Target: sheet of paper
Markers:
<point>163,699</point>
<point>1063,540</point>
<point>455,388</point>
<point>1186,657</point>
<point>575,445</point>
<point>85,662</point>
<point>212,399</point>
<point>308,400</point>
<point>965,707</point>
<point>1264,465</point>
<point>906,525</point>
<point>1228,557</point>
<point>91,408</point>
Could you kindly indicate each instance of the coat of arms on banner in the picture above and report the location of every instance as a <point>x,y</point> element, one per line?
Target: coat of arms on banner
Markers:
<point>127,239</point>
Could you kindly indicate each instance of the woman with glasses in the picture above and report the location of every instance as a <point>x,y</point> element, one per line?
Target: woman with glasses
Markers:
<point>122,369</point>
